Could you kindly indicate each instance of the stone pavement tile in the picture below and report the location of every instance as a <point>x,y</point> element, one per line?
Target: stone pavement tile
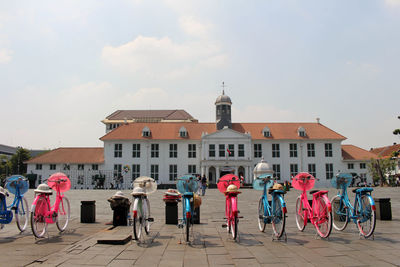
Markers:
<point>240,254</point>
<point>328,252</point>
<point>121,263</point>
<point>219,260</point>
<point>246,262</point>
<point>129,255</point>
<point>262,255</point>
<point>297,261</point>
<point>345,260</point>
<point>274,265</point>
<point>216,250</point>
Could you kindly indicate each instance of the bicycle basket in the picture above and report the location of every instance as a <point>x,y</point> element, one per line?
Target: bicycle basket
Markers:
<point>342,180</point>
<point>64,182</point>
<point>187,184</point>
<point>147,183</point>
<point>300,184</point>
<point>258,183</point>
<point>227,180</point>
<point>15,181</point>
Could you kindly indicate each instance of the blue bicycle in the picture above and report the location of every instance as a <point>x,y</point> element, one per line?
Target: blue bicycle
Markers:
<point>273,212</point>
<point>363,211</point>
<point>186,185</point>
<point>17,185</point>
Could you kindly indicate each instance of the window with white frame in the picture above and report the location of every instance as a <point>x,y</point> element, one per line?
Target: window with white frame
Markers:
<point>135,171</point>
<point>350,166</point>
<point>211,150</point>
<point>173,172</point>
<point>241,150</point>
<point>66,167</point>
<point>276,153</point>
<point>257,150</point>
<point>117,170</point>
<point>293,150</point>
<point>294,169</point>
<point>154,172</point>
<point>95,167</point>
<point>192,150</point>
<point>173,150</point>
<point>192,169</point>
<point>52,166</point>
<point>146,132</point>
<point>38,166</point>
<point>81,167</point>
<point>328,150</point>
<point>329,170</point>
<point>221,149</point>
<point>301,132</point>
<point>266,132</point>
<point>154,150</point>
<point>117,150</point>
<point>310,150</point>
<point>312,169</point>
<point>135,150</point>
<point>231,150</point>
<point>183,132</point>
<point>277,171</point>
<point>363,166</point>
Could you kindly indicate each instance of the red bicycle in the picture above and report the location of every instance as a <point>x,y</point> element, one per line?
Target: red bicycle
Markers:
<point>229,185</point>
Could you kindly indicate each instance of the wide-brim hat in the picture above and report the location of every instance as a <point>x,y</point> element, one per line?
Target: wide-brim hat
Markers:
<point>231,188</point>
<point>43,188</point>
<point>138,191</point>
<point>277,186</point>
<point>172,192</point>
<point>119,195</point>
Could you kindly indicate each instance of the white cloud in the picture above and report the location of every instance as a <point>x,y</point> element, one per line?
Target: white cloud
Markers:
<point>392,3</point>
<point>194,27</point>
<point>5,55</point>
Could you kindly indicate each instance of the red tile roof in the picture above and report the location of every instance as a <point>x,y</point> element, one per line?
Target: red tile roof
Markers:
<point>170,131</point>
<point>351,152</point>
<point>386,151</point>
<point>74,155</point>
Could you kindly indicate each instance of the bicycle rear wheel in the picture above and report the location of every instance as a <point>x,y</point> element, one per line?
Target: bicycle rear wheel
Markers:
<point>366,216</point>
<point>300,214</point>
<point>261,220</point>
<point>279,218</point>
<point>323,217</point>
<point>137,221</point>
<point>2,209</point>
<point>22,214</point>
<point>63,215</point>
<point>38,217</point>
<point>235,225</point>
<point>187,228</point>
<point>340,213</point>
<point>146,224</point>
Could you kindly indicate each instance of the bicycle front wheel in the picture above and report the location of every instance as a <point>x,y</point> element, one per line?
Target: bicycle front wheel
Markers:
<point>137,221</point>
<point>22,214</point>
<point>235,224</point>
<point>340,213</point>
<point>300,214</point>
<point>187,228</point>
<point>366,216</point>
<point>146,216</point>
<point>2,209</point>
<point>38,217</point>
<point>323,217</point>
<point>261,220</point>
<point>279,218</point>
<point>63,215</point>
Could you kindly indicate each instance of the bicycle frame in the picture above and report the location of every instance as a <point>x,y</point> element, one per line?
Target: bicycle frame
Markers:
<point>231,210</point>
<point>309,210</point>
<point>14,205</point>
<point>50,215</point>
<point>269,209</point>
<point>187,207</point>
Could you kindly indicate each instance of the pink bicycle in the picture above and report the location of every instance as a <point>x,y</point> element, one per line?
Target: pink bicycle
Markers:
<point>229,185</point>
<point>41,212</point>
<point>319,213</point>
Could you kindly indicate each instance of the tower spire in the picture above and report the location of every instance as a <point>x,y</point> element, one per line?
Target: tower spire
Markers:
<point>223,88</point>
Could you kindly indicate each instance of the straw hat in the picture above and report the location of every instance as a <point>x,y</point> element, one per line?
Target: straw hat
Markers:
<point>277,186</point>
<point>172,192</point>
<point>43,188</point>
<point>232,188</point>
<point>118,195</point>
<point>138,191</point>
<point>3,191</point>
<point>196,200</point>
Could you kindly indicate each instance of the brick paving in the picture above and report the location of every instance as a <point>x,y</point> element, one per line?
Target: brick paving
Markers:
<point>212,246</point>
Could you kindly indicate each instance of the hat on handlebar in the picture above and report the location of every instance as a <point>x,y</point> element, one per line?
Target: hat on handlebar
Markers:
<point>3,191</point>
<point>43,188</point>
<point>119,195</point>
<point>138,191</point>
<point>231,188</point>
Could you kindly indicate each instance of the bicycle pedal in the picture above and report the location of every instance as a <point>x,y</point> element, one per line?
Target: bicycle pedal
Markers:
<point>180,226</point>
<point>260,216</point>
<point>150,219</point>
<point>224,225</point>
<point>240,217</point>
<point>14,208</point>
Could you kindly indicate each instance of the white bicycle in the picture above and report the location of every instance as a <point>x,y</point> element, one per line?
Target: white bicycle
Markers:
<point>142,186</point>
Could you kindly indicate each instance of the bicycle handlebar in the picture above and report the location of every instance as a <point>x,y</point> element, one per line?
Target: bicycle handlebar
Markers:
<point>305,178</point>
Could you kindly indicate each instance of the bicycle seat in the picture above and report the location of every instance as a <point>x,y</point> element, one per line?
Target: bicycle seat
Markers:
<point>363,190</point>
<point>276,191</point>
<point>188,194</point>
<point>313,192</point>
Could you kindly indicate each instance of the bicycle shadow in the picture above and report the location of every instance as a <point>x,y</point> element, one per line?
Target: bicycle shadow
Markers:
<point>150,241</point>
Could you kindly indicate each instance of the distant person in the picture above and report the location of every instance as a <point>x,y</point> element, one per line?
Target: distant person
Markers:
<point>203,185</point>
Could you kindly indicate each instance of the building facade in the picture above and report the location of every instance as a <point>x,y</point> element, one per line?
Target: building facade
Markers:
<point>166,149</point>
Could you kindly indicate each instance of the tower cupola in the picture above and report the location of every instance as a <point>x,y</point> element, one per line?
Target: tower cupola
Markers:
<point>223,110</point>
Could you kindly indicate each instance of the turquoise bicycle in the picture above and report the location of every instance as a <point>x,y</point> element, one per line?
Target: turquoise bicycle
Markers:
<point>363,211</point>
<point>274,213</point>
<point>17,185</point>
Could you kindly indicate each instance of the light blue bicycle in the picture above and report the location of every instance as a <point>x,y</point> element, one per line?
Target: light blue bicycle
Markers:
<point>187,185</point>
<point>363,211</point>
<point>273,212</point>
<point>17,185</point>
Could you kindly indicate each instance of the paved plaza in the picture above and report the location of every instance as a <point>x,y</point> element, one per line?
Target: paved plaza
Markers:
<point>212,246</point>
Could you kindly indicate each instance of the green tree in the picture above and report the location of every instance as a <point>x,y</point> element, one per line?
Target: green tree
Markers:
<point>17,161</point>
<point>380,168</point>
<point>5,167</point>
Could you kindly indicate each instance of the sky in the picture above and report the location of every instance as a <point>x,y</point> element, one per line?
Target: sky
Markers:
<point>66,65</point>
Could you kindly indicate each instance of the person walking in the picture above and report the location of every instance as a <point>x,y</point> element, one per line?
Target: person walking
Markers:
<point>203,185</point>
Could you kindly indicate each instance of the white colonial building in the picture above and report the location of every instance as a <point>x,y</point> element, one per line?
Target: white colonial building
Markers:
<point>166,144</point>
